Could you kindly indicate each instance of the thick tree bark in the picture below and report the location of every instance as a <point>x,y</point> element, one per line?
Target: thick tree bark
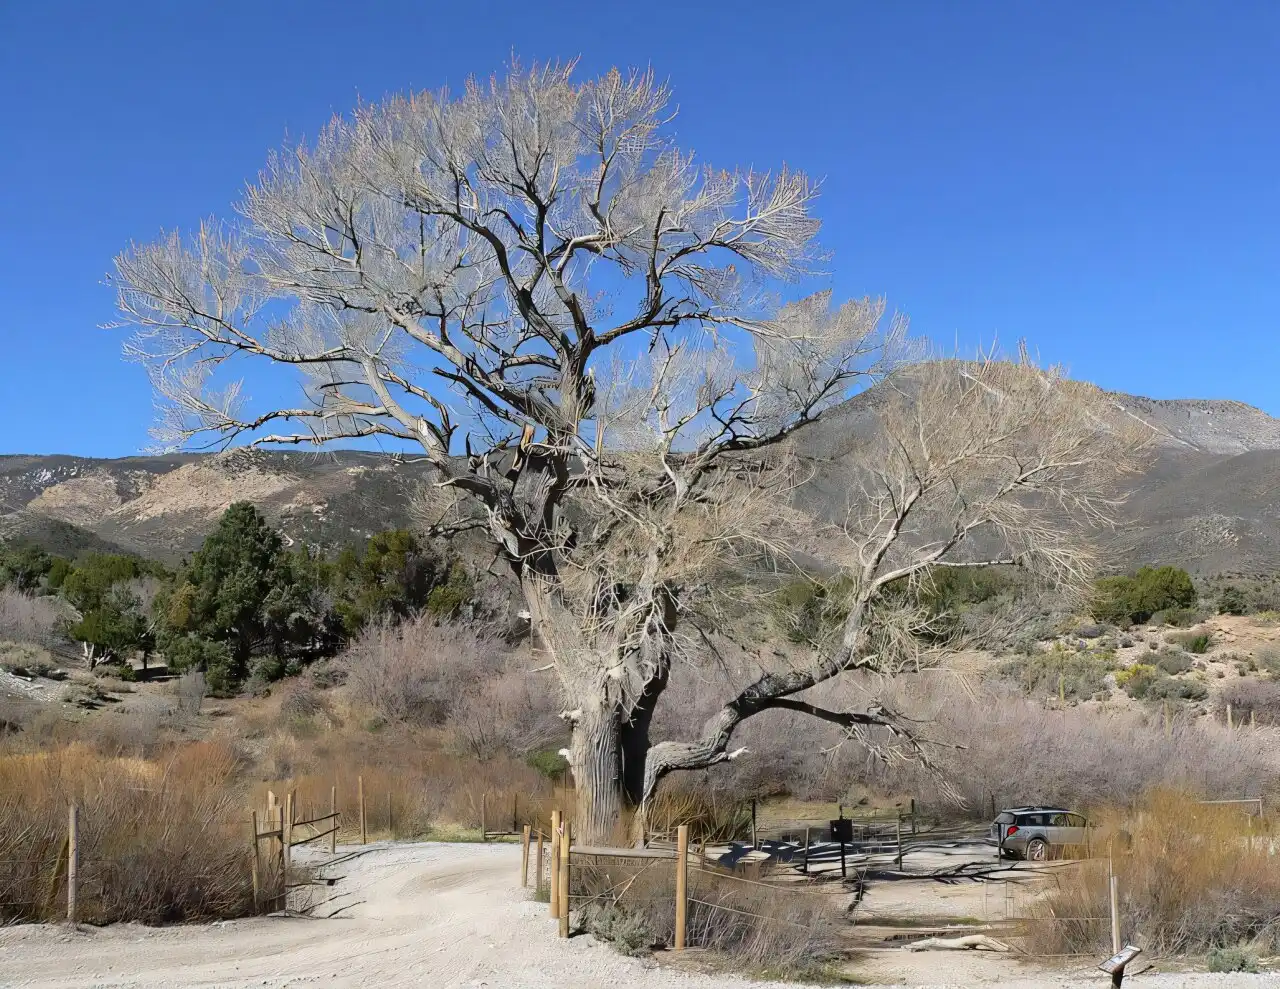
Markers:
<point>595,758</point>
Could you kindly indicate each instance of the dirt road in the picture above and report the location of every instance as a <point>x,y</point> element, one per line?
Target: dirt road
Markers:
<point>434,915</point>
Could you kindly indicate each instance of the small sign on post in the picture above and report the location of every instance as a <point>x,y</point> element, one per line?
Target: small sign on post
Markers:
<point>1115,965</point>
<point>842,831</point>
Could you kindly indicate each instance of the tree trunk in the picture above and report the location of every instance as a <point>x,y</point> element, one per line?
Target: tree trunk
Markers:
<point>595,757</point>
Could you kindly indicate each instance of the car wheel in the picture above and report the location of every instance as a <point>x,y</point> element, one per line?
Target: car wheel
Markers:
<point>1037,850</point>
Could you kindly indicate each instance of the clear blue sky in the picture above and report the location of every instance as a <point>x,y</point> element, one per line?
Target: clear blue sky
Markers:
<point>1100,178</point>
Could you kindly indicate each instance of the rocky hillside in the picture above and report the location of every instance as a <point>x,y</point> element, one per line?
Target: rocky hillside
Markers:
<point>162,507</point>
<point>1210,502</point>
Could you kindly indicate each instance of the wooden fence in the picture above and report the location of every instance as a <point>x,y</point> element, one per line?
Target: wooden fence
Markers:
<point>285,831</point>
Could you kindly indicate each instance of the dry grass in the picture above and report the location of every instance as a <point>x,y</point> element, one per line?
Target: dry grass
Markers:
<point>711,816</point>
<point>782,931</point>
<point>160,841</point>
<point>1192,878</point>
<point>27,618</point>
<point>1022,752</point>
<point>433,792</point>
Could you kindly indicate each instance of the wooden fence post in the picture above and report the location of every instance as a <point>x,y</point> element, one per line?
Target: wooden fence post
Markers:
<point>565,840</point>
<point>899,839</point>
<point>555,864</point>
<point>755,840</point>
<point>913,817</point>
<point>257,866</point>
<point>286,836</point>
<point>524,858</point>
<point>364,828</point>
<point>484,827</point>
<point>537,866</point>
<point>1115,914</point>
<point>682,885</point>
<point>333,821</point>
<point>73,860</point>
<point>515,816</point>
<point>805,868</point>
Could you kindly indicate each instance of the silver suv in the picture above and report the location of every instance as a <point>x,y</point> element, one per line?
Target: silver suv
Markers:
<point>1038,833</point>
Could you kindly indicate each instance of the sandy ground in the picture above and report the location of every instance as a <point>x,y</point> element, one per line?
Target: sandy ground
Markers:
<point>440,915</point>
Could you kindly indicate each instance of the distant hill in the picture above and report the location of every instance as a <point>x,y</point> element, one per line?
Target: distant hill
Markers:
<point>1210,502</point>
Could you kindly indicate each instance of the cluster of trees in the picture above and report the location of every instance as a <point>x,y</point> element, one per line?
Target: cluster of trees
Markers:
<point>243,604</point>
<point>1130,600</point>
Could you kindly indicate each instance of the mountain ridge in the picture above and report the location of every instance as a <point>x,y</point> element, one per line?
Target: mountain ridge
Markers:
<point>1205,503</point>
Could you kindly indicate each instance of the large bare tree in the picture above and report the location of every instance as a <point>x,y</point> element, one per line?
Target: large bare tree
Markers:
<point>590,336</point>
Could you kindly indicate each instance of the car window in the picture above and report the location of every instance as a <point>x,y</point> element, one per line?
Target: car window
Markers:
<point>1031,820</point>
<point>1076,821</point>
<point>1059,821</point>
<point>1005,818</point>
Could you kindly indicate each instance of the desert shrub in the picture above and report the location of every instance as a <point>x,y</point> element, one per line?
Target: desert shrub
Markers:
<point>1024,753</point>
<point>1175,689</point>
<point>160,841</point>
<point>1137,679</point>
<point>1173,661</point>
<point>1231,601</point>
<point>28,660</point>
<point>1179,617</point>
<point>1074,675</point>
<point>1267,659</point>
<point>415,671</point>
<point>625,929</point>
<point>780,932</point>
<point>506,714</point>
<point>1236,959</point>
<point>16,713</point>
<point>1193,642</point>
<point>1190,880</point>
<point>190,690</point>
<point>451,598</point>
<point>549,762</point>
<point>27,618</point>
<point>1125,600</point>
<point>1256,700</point>
<point>426,673</point>
<point>85,694</point>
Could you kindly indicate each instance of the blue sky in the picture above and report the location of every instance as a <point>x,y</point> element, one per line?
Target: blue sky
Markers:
<point>1098,178</point>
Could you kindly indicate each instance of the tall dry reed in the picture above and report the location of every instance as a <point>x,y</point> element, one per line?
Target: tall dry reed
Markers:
<point>160,840</point>
<point>1192,878</point>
